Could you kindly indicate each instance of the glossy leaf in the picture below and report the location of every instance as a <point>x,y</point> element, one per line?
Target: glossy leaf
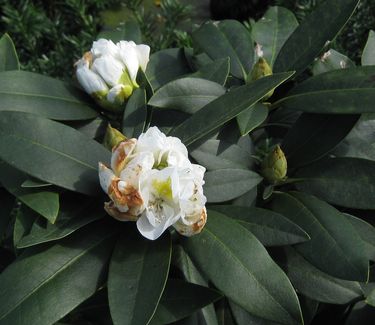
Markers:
<point>187,94</point>
<point>128,30</point>
<point>345,91</point>
<point>44,96</point>
<point>71,218</point>
<point>8,55</point>
<point>44,202</point>
<point>331,60</point>
<point>135,114</point>
<point>228,38</point>
<point>239,266</point>
<point>271,228</point>
<point>273,30</point>
<point>341,250</point>
<point>181,299</point>
<point>315,135</point>
<point>310,37</point>
<point>165,66</point>
<point>226,107</point>
<point>317,285</point>
<point>216,71</point>
<point>51,152</point>
<point>243,317</point>
<point>252,117</point>
<point>219,154</point>
<point>47,294</point>
<point>348,182</point>
<point>226,184</point>
<point>24,219</point>
<point>137,276</point>
<point>369,50</point>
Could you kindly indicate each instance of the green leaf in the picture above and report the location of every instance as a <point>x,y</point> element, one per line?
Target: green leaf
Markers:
<point>8,55</point>
<point>71,218</point>
<point>366,232</point>
<point>239,266</point>
<point>341,250</point>
<point>46,203</point>
<point>307,41</point>
<point>369,50</point>
<point>345,91</point>
<point>331,60</point>
<point>32,293</point>
<point>315,135</point>
<point>226,107</point>
<point>51,152</point>
<point>180,299</point>
<point>273,30</point>
<point>316,284</point>
<point>348,182</point>
<point>252,117</point>
<point>24,219</point>
<point>126,31</point>
<point>135,114</point>
<point>187,94</point>
<point>216,71</point>
<point>227,38</point>
<point>44,96</point>
<point>219,154</point>
<point>361,313</point>
<point>226,184</point>
<point>165,66</point>
<point>370,299</point>
<point>137,276</point>
<point>271,228</point>
<point>243,317</point>
<point>7,203</point>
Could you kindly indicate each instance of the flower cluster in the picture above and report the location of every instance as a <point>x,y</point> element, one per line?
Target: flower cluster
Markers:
<point>151,181</point>
<point>108,72</point>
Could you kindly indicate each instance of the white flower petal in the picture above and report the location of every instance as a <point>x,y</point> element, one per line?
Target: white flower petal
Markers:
<point>90,81</point>
<point>121,153</point>
<point>109,69</point>
<point>140,164</point>
<point>143,52</point>
<point>129,56</point>
<point>106,177</point>
<point>104,47</point>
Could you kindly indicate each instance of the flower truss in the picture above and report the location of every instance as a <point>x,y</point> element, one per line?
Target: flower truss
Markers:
<point>151,181</point>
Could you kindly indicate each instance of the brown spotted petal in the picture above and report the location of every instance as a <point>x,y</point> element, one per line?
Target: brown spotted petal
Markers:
<point>120,153</point>
<point>111,209</point>
<point>193,229</point>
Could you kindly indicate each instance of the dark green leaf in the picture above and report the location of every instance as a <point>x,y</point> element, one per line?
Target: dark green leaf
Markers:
<point>166,65</point>
<point>361,314</point>
<point>7,203</point>
<point>216,71</point>
<point>316,284</point>
<point>226,184</point>
<point>348,182</point>
<point>315,135</point>
<point>44,285</point>
<point>345,91</point>
<point>137,276</point>
<point>219,154</point>
<point>252,117</point>
<point>71,218</point>
<point>51,152</point>
<point>128,30</point>
<point>369,50</point>
<point>228,38</point>
<point>8,55</point>
<point>243,317</point>
<point>322,25</point>
<point>226,107</point>
<point>271,228</point>
<point>341,250</point>
<point>181,299</point>
<point>44,96</point>
<point>331,60</point>
<point>238,265</point>
<point>272,31</point>
<point>24,219</point>
<point>187,94</point>
<point>370,299</point>
<point>135,114</point>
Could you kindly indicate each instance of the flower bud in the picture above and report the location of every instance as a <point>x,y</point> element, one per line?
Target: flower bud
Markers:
<point>112,137</point>
<point>261,69</point>
<point>274,165</point>
<point>108,72</point>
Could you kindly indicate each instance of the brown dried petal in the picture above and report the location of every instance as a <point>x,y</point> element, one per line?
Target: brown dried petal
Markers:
<point>195,228</point>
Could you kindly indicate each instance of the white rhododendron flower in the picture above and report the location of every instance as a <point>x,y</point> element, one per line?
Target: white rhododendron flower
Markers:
<point>151,181</point>
<point>108,71</point>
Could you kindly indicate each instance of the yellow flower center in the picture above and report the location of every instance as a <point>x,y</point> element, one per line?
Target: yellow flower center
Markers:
<point>163,188</point>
